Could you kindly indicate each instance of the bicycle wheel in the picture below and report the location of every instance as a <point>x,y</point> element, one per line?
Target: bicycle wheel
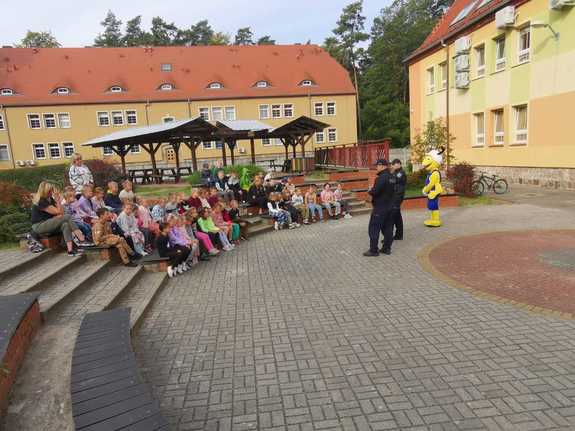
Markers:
<point>500,186</point>
<point>477,188</point>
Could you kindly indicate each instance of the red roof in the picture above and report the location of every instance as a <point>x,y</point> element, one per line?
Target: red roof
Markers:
<point>446,28</point>
<point>34,74</point>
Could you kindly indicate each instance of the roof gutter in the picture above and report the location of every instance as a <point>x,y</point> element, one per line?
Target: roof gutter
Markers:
<point>478,18</point>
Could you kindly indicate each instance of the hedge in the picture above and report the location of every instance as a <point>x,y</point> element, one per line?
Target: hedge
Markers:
<point>29,178</point>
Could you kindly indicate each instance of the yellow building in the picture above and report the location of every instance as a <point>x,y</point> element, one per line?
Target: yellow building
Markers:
<point>53,100</point>
<point>503,73</point>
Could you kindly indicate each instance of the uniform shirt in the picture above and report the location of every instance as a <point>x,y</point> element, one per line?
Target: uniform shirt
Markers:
<point>400,183</point>
<point>383,191</point>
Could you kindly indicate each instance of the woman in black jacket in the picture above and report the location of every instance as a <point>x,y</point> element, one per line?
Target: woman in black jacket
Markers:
<point>257,195</point>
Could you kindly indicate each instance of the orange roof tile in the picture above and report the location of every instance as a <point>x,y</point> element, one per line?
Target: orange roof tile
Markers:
<point>89,72</point>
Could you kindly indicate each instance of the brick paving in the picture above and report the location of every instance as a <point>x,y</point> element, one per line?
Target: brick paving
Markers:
<point>296,330</point>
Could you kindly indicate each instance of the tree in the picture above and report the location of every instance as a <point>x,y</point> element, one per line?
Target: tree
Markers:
<point>162,33</point>
<point>39,39</point>
<point>134,35</point>
<point>349,32</point>
<point>220,38</point>
<point>433,137</point>
<point>244,36</point>
<point>112,35</point>
<point>266,40</point>
<point>198,34</point>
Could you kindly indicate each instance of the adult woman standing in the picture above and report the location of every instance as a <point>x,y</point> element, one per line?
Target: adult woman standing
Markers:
<point>48,217</point>
<point>79,174</point>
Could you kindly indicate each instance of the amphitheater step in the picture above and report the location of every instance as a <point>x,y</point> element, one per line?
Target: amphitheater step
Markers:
<point>259,229</point>
<point>141,295</point>
<point>360,211</point>
<point>14,260</point>
<point>34,275</point>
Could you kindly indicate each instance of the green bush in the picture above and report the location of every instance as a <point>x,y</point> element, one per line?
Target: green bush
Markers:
<point>194,179</point>
<point>13,222</point>
<point>29,178</point>
<point>239,169</point>
<point>417,178</point>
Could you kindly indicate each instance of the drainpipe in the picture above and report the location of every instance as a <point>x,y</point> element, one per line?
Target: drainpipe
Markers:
<point>189,109</point>
<point>147,114</point>
<point>7,126</point>
<point>447,150</point>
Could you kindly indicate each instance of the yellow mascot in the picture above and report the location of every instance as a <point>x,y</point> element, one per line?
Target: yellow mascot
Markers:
<point>433,189</point>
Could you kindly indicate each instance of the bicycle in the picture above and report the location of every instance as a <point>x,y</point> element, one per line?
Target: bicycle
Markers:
<point>486,182</point>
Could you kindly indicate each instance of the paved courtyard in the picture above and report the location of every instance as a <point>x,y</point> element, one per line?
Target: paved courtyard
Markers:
<point>297,331</point>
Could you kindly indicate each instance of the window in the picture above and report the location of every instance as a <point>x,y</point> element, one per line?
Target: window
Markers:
<point>168,119</point>
<point>107,151</point>
<point>330,108</point>
<point>49,121</point>
<point>264,111</point>
<point>266,142</point>
<point>1,122</point>
<point>64,121</point>
<point>306,83</point>
<point>103,119</point>
<point>319,138</point>
<point>479,126</point>
<point>288,110</point>
<point>34,121</point>
<point>277,141</point>
<point>464,12</point>
<point>4,153</point>
<point>500,54</point>
<point>276,111</point>
<point>54,151</point>
<point>443,72</point>
<point>135,149</point>
<point>207,145</point>
<point>318,108</point>
<point>39,151</point>
<point>262,84</point>
<point>332,135</point>
<point>166,87</point>
<point>62,90</point>
<point>498,127</point>
<point>131,117</point>
<point>6,92</point>
<point>118,118</point>
<point>68,148</point>
<point>205,113</point>
<point>524,45</point>
<point>166,67</point>
<point>520,113</point>
<point>230,113</point>
<point>430,80</point>
<point>116,89</point>
<point>219,145</point>
<point>217,113</point>
<point>480,61</point>
<point>215,86</point>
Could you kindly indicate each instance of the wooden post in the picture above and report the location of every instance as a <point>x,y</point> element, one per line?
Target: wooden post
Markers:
<point>193,145</point>
<point>152,152</point>
<point>253,150</point>
<point>176,146</point>
<point>232,145</point>
<point>224,158</point>
<point>122,151</point>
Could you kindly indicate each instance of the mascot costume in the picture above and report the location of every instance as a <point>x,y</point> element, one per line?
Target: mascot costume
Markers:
<point>433,189</point>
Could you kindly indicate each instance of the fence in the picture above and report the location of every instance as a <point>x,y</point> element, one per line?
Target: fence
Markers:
<point>352,156</point>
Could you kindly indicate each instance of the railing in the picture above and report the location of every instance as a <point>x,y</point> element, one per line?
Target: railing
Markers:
<point>353,155</point>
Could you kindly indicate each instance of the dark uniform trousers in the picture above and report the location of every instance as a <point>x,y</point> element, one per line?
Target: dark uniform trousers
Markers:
<point>381,221</point>
<point>398,222</point>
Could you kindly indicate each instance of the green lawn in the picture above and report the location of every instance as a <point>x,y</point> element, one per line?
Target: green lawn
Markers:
<point>476,201</point>
<point>161,190</point>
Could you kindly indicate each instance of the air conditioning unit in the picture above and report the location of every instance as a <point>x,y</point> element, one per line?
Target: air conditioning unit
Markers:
<point>30,162</point>
<point>242,150</point>
<point>462,45</point>
<point>505,17</point>
<point>462,80</point>
<point>560,4</point>
<point>462,63</point>
<point>20,162</point>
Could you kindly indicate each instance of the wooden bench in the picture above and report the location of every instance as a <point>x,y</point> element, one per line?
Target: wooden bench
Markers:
<point>19,320</point>
<point>107,389</point>
<point>154,262</point>
<point>51,241</point>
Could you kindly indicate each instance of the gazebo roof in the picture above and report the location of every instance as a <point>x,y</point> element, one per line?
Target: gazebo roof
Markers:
<point>300,126</point>
<point>195,128</point>
<point>242,129</point>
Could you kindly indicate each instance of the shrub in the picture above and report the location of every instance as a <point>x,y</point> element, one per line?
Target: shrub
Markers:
<point>239,169</point>
<point>13,223</point>
<point>194,179</point>
<point>103,172</point>
<point>12,195</point>
<point>417,178</point>
<point>461,175</point>
<point>29,178</point>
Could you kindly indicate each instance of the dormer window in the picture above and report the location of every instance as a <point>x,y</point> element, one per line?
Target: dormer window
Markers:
<point>166,87</point>
<point>62,90</point>
<point>6,92</point>
<point>166,67</point>
<point>262,84</point>
<point>215,86</point>
<point>306,83</point>
<point>116,89</point>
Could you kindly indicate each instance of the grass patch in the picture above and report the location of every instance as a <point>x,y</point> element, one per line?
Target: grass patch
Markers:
<point>412,191</point>
<point>317,175</point>
<point>476,201</point>
<point>161,190</point>
<point>8,245</point>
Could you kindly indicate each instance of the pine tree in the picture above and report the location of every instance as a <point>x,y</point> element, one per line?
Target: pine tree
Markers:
<point>112,35</point>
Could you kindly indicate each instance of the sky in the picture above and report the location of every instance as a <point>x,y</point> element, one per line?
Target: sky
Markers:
<point>292,21</point>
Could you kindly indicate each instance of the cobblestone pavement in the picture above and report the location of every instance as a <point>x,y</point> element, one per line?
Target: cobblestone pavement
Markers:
<point>296,330</point>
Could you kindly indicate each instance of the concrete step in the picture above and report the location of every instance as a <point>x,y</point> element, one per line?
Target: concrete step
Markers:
<point>34,275</point>
<point>12,261</point>
<point>141,295</point>
<point>259,229</point>
<point>360,211</point>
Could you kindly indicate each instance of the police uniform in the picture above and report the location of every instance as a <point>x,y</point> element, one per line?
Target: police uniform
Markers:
<point>382,194</point>
<point>400,184</point>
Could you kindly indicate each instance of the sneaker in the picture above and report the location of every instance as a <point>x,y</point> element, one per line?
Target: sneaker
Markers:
<point>214,252</point>
<point>82,244</point>
<point>276,225</point>
<point>131,264</point>
<point>348,216</point>
<point>227,248</point>
<point>75,253</point>
<point>204,258</point>
<point>171,272</point>
<point>144,253</point>
<point>297,225</point>
<point>292,226</point>
<point>180,268</point>
<point>306,222</point>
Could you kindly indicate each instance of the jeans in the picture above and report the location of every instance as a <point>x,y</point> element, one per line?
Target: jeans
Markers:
<point>283,217</point>
<point>86,230</point>
<point>334,204</point>
<point>59,224</point>
<point>224,239</point>
<point>312,210</point>
<point>381,221</point>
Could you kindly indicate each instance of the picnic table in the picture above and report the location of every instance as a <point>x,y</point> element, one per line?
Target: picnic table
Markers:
<point>175,173</point>
<point>272,163</point>
<point>147,175</point>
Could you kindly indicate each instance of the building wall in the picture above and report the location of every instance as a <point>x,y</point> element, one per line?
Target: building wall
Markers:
<point>84,125</point>
<point>545,84</point>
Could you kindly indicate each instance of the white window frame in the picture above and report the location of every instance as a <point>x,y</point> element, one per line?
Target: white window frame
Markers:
<point>49,116</point>
<point>36,157</point>
<point>288,110</point>
<point>262,84</point>
<point>329,105</point>
<point>39,119</point>
<point>319,137</point>
<point>2,126</point>
<point>218,144</point>
<point>4,147</point>
<point>207,145</point>
<point>276,108</point>
<point>443,74</point>
<point>113,115</point>
<point>215,86</point>
<point>500,62</point>
<point>56,146</point>
<point>98,117</point>
<point>231,109</point>
<point>66,146</point>
<point>479,51</point>
<point>116,89</point>
<point>204,110</point>
<point>131,113</point>
<point>6,92</point>
<point>267,110</point>
<point>332,131</point>
<point>135,149</point>
<point>498,136</point>
<point>266,142</point>
<point>63,90</point>
<point>524,54</point>
<point>166,86</point>
<point>430,72</point>
<point>60,122</point>
<point>478,138</point>
<point>166,119</point>
<point>321,111</point>
<point>166,67</point>
<point>277,141</point>
<point>219,109</point>
<point>107,151</point>
<point>520,136</point>
<point>306,83</point>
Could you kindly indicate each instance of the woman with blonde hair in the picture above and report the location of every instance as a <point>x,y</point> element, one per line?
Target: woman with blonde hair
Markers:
<point>79,174</point>
<point>48,217</point>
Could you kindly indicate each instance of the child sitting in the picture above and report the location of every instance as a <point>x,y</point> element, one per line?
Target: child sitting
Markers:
<point>222,186</point>
<point>219,221</point>
<point>98,199</point>
<point>297,200</point>
<point>146,223</point>
<point>206,225</point>
<point>204,195</point>
<point>338,196</point>
<point>234,215</point>
<point>213,197</point>
<point>235,187</point>
<point>159,211</point>
<point>282,217</point>
<point>177,255</point>
<point>112,200</point>
<point>182,203</point>
<point>127,222</point>
<point>102,233</point>
<point>71,208</point>
<point>204,238</point>
<point>85,207</point>
<point>312,204</point>
<point>329,202</point>
<point>235,228</point>
<point>127,193</point>
<point>179,237</point>
<point>194,200</point>
<point>285,203</point>
<point>172,204</point>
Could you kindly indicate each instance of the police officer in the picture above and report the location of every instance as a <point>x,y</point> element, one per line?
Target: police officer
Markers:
<point>400,184</point>
<point>382,194</point>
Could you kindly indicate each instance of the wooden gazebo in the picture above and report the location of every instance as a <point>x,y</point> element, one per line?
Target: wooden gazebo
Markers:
<point>230,132</point>
<point>297,132</point>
